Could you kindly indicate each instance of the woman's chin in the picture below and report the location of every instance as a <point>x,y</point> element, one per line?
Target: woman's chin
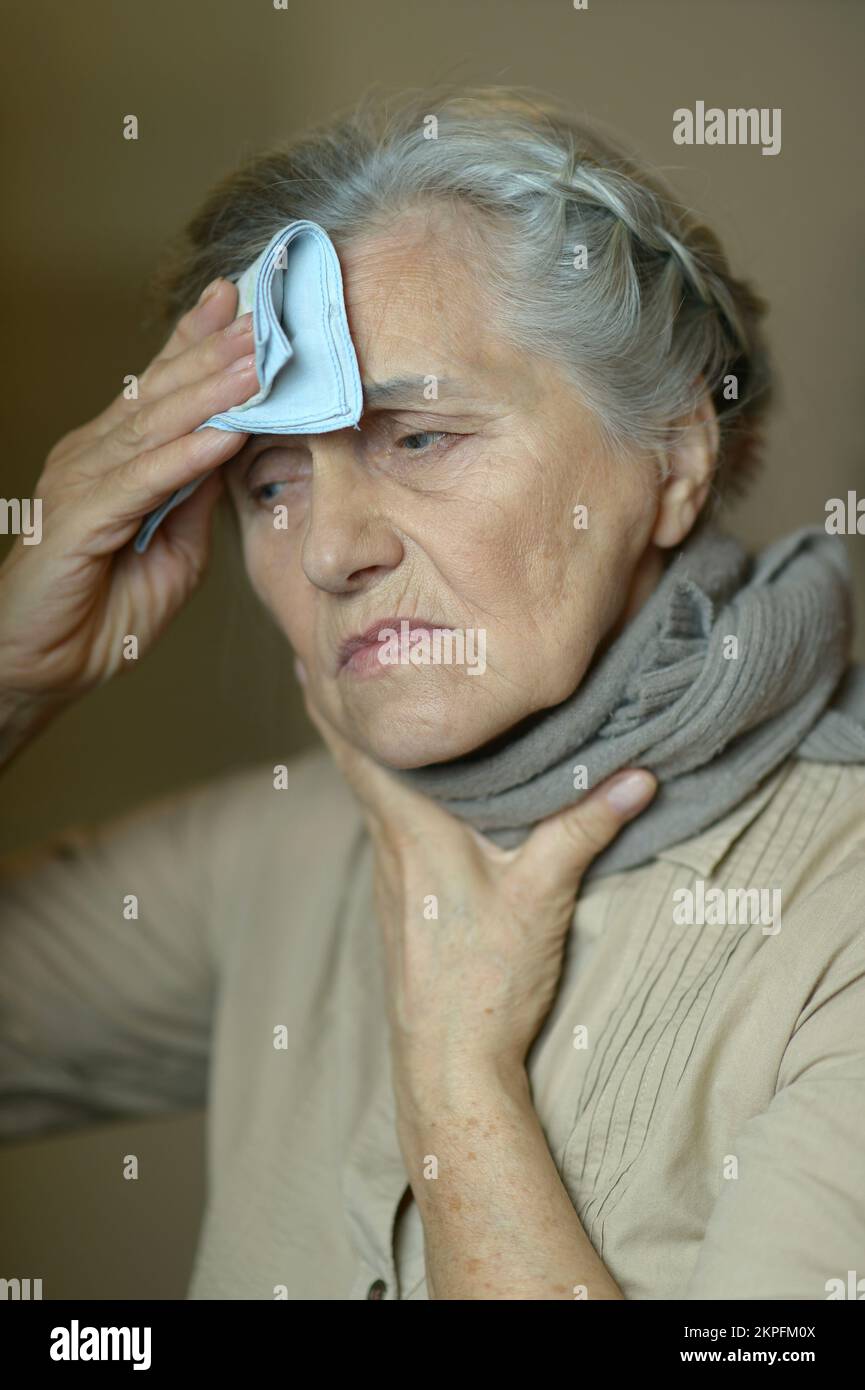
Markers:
<point>419,741</point>
<point>404,751</point>
<point>432,721</point>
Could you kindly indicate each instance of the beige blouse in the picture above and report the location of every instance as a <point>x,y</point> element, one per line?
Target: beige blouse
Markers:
<point>700,1078</point>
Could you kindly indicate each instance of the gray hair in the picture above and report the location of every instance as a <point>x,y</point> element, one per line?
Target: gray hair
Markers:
<point>653,322</point>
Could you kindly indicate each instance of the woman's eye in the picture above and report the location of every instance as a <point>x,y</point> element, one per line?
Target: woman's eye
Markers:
<point>261,493</point>
<point>420,441</point>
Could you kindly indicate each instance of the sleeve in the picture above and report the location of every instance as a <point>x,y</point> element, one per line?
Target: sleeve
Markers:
<point>792,1224</point>
<point>107,969</point>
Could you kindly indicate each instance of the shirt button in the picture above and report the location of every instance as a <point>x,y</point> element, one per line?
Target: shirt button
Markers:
<point>377,1289</point>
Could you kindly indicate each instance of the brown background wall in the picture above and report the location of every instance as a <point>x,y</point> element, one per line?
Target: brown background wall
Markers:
<point>86,215</point>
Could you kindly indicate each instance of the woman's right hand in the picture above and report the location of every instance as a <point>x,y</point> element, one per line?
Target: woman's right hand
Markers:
<point>67,603</point>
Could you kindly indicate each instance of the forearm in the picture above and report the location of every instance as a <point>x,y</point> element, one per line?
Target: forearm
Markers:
<point>498,1222</point>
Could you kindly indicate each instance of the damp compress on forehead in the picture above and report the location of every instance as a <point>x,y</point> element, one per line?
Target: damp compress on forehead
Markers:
<point>652,319</point>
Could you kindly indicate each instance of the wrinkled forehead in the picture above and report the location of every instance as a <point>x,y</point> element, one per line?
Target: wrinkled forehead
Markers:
<point>419,304</point>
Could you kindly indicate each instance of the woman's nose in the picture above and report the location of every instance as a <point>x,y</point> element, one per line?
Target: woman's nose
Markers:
<point>349,539</point>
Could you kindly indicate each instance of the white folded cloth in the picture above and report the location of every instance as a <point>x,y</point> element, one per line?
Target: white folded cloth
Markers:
<point>304,355</point>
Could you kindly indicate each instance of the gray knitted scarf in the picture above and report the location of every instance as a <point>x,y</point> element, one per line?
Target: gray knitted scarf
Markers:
<point>672,694</point>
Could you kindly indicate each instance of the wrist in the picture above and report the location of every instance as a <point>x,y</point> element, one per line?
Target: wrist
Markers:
<point>22,717</point>
<point>425,1096</point>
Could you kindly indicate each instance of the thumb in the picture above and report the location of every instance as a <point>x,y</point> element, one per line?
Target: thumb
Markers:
<point>562,847</point>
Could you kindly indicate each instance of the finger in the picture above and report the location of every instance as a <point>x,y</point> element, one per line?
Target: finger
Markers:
<point>214,353</point>
<point>216,306</point>
<point>561,848</point>
<point>114,507</point>
<point>130,455</point>
<point>205,322</point>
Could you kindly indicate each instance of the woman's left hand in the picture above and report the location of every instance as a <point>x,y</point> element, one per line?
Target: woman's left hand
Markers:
<point>473,934</point>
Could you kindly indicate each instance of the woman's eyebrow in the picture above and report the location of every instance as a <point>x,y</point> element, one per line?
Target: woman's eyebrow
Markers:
<point>406,390</point>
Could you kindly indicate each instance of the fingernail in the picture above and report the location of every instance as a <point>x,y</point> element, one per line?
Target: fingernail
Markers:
<point>243,324</point>
<point>631,790</point>
<point>210,290</point>
<point>300,670</point>
<point>242,364</point>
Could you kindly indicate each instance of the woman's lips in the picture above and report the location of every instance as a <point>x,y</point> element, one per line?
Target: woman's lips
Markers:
<point>360,655</point>
<point>364,661</point>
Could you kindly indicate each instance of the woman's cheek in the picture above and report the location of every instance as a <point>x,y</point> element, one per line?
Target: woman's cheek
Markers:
<point>254,560</point>
<point>268,567</point>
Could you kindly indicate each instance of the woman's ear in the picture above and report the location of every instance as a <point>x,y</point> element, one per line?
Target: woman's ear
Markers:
<point>689,467</point>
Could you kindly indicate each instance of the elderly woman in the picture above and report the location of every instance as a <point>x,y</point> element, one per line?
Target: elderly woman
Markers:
<point>544,978</point>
